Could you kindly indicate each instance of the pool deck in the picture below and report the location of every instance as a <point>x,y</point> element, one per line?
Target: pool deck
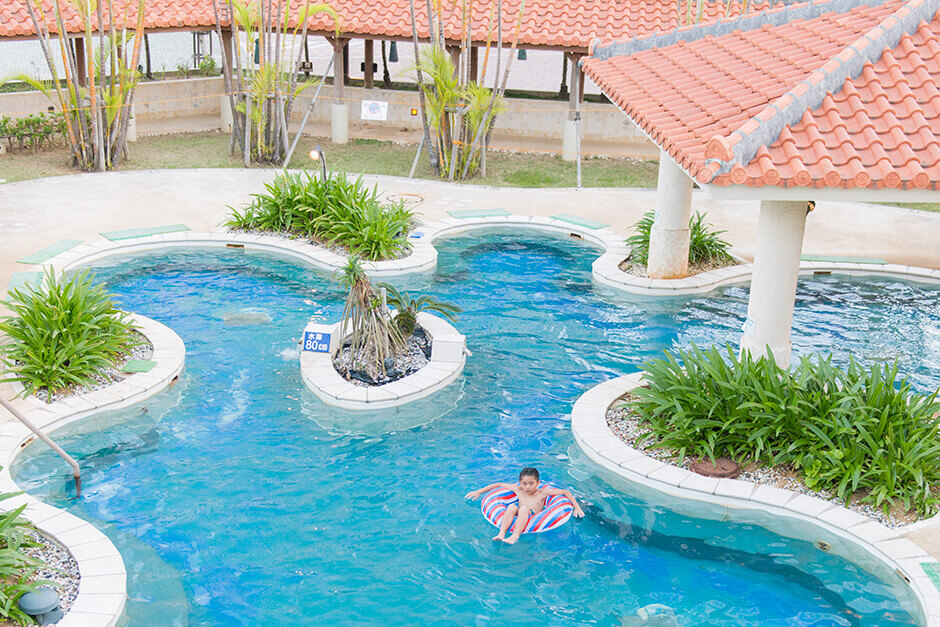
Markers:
<point>36,214</point>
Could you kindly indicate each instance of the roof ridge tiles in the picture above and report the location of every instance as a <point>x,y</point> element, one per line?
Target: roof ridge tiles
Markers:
<point>808,94</point>
<point>771,16</point>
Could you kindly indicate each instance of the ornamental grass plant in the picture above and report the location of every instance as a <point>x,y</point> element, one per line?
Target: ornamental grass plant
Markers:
<point>336,211</point>
<point>17,568</point>
<point>705,245</point>
<point>62,334</point>
<point>856,431</point>
<point>409,307</point>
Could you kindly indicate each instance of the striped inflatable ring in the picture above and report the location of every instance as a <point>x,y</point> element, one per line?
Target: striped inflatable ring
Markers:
<point>558,509</point>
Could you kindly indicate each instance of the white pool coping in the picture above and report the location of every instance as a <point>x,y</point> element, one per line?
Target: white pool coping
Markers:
<point>605,271</point>
<point>600,444</point>
<point>423,257</point>
<point>102,590</point>
<point>448,356</point>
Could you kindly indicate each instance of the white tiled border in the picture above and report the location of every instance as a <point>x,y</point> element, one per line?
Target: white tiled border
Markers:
<point>423,257</point>
<point>594,437</point>
<point>606,271</point>
<point>448,356</point>
<point>102,590</point>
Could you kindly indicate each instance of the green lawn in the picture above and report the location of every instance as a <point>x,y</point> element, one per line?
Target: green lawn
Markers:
<point>211,150</point>
<point>369,156</point>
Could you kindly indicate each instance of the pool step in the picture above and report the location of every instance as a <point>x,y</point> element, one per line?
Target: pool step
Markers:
<point>138,365</point>
<point>478,213</point>
<point>578,220</point>
<point>154,230</point>
<point>49,252</point>
<point>837,259</point>
<point>933,571</point>
<point>19,280</point>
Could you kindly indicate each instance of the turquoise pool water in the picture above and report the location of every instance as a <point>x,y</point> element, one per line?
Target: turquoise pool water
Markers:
<point>237,498</point>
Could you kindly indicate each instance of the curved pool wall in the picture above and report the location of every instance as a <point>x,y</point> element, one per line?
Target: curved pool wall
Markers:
<point>102,589</point>
<point>580,286</point>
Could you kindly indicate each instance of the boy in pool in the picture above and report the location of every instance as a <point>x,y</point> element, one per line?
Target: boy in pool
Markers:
<point>531,502</point>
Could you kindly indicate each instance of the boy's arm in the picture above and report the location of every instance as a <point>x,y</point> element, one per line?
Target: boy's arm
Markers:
<point>578,512</point>
<point>492,486</point>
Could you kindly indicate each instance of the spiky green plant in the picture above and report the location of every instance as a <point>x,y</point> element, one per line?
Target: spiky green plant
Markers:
<point>338,211</point>
<point>409,307</point>
<point>17,569</point>
<point>705,245</point>
<point>851,431</point>
<point>62,333</point>
<point>373,336</point>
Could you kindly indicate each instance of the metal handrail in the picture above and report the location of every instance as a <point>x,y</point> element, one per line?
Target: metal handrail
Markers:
<point>76,473</point>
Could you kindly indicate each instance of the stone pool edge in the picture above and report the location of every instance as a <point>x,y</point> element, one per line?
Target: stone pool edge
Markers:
<point>448,356</point>
<point>102,591</point>
<point>423,257</point>
<point>603,447</point>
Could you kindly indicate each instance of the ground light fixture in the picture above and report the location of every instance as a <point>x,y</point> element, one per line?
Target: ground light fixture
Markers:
<point>317,155</point>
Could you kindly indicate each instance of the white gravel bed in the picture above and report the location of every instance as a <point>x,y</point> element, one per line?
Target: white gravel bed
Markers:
<point>639,270</point>
<point>60,567</point>
<point>407,362</point>
<point>103,379</point>
<point>322,243</point>
<point>625,424</point>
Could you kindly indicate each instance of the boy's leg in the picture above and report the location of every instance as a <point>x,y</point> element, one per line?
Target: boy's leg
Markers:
<point>521,521</point>
<point>506,520</point>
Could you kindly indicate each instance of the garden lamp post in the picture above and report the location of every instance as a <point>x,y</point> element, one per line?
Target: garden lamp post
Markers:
<point>317,155</point>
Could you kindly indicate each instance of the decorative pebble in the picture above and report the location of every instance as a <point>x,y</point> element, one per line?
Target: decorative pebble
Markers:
<point>410,360</point>
<point>60,567</point>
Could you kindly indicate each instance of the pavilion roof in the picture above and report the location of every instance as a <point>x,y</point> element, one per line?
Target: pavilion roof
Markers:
<point>832,93</point>
<point>565,24</point>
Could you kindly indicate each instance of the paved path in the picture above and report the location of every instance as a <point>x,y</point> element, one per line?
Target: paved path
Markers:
<point>37,213</point>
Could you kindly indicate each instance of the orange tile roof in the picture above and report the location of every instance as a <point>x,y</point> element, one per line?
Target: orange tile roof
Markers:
<point>15,20</point>
<point>570,24</point>
<point>838,93</point>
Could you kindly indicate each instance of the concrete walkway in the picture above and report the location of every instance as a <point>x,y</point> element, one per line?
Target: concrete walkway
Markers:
<point>37,213</point>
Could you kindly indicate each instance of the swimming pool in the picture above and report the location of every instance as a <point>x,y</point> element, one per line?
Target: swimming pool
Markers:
<point>236,497</point>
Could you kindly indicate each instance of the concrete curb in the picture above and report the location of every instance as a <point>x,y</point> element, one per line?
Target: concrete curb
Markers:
<point>594,437</point>
<point>448,356</point>
<point>102,590</point>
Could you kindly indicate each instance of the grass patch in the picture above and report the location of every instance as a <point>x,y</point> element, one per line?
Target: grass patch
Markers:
<point>366,156</point>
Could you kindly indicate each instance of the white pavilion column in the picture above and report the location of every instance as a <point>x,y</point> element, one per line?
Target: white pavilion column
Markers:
<point>669,237</point>
<point>773,285</point>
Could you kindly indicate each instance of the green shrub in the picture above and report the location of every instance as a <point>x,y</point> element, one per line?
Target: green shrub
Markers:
<point>846,430</point>
<point>337,211</point>
<point>16,567</point>
<point>409,308</point>
<point>62,333</point>
<point>705,245</point>
<point>32,131</point>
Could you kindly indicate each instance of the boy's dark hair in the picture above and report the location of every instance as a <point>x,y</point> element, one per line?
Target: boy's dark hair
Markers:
<point>529,472</point>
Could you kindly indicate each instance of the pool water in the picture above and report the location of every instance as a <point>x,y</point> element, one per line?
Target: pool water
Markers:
<point>238,498</point>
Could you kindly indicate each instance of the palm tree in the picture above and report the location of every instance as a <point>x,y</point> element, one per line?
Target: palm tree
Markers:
<point>409,307</point>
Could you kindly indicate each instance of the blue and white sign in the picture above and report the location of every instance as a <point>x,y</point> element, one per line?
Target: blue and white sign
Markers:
<point>316,342</point>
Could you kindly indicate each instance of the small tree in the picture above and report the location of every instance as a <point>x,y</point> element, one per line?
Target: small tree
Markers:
<point>263,86</point>
<point>373,337</point>
<point>461,110</point>
<point>96,103</point>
